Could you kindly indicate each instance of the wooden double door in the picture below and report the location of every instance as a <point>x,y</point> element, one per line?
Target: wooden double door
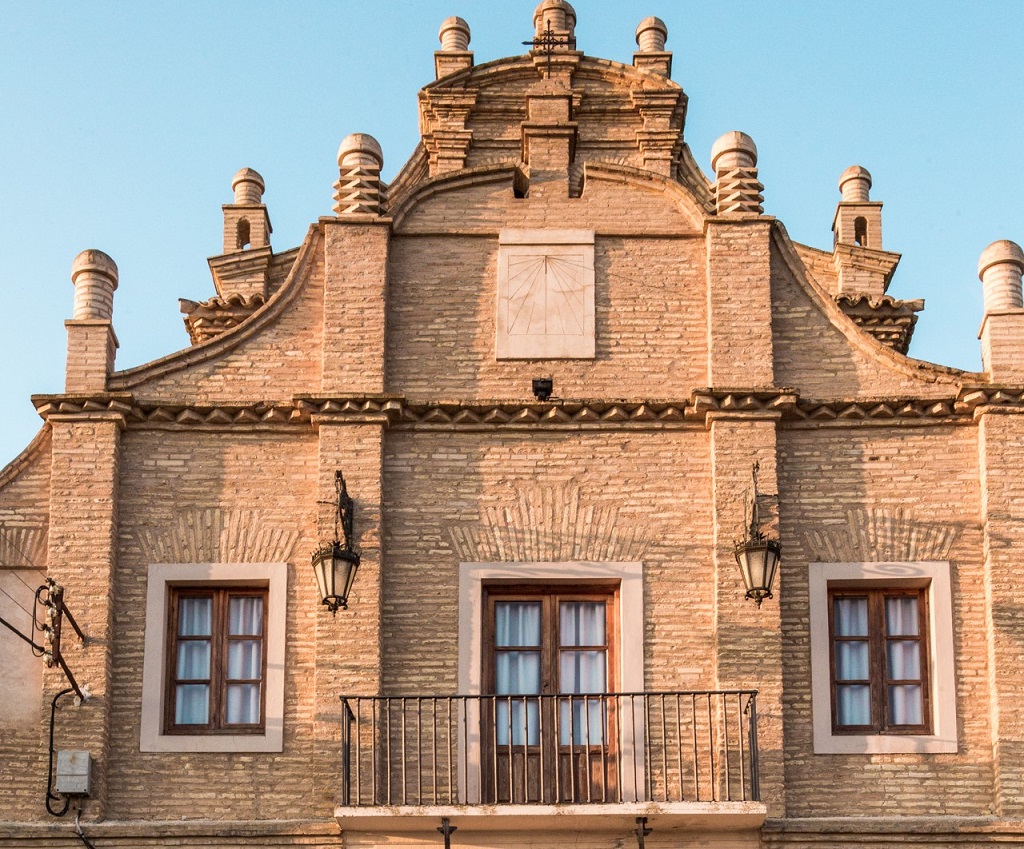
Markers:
<point>550,728</point>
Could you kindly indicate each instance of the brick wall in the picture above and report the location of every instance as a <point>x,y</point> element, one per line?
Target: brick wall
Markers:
<point>870,495</point>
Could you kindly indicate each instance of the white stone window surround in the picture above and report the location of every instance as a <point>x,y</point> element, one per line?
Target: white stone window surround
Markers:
<point>932,575</point>
<point>162,577</point>
<point>545,295</point>
<point>628,576</point>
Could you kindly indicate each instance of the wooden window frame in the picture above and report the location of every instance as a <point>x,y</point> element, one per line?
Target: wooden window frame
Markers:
<point>218,680</point>
<point>550,596</point>
<point>878,681</point>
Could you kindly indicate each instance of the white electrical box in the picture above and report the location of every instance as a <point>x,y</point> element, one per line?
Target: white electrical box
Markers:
<point>74,773</point>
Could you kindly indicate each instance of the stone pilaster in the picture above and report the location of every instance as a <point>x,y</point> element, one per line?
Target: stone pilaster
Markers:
<point>1001,446</point>
<point>355,286</point>
<point>747,638</point>
<point>348,644</point>
<point>740,348</point>
<point>81,554</point>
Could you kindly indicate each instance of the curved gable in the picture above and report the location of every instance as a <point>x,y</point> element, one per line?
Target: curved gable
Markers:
<point>273,354</point>
<point>821,351</point>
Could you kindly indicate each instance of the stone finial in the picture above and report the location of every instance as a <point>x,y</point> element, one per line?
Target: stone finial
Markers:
<point>360,150</point>
<point>358,190</point>
<point>855,184</point>
<point>734,161</point>
<point>248,187</point>
<point>651,34</point>
<point>1000,268</point>
<point>733,150</point>
<point>558,13</point>
<point>454,35</point>
<point>94,275</point>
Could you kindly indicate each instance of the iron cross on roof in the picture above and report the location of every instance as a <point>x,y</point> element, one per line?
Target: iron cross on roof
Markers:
<point>549,41</point>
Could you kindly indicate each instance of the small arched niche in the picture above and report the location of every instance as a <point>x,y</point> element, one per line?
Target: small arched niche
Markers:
<point>242,236</point>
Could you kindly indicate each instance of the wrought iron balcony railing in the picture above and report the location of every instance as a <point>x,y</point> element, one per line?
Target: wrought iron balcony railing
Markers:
<point>548,749</point>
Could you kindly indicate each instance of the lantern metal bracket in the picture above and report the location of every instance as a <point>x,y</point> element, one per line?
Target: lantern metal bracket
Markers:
<point>338,553</point>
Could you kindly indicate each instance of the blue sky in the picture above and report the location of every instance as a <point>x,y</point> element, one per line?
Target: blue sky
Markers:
<point>122,125</point>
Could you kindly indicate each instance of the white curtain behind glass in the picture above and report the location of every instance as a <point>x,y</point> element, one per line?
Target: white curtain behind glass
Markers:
<point>245,660</point>
<point>582,623</point>
<point>853,701</point>
<point>192,701</point>
<point>903,660</point>
<point>517,624</point>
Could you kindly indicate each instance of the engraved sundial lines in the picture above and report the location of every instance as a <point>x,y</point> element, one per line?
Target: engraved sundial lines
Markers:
<point>545,294</point>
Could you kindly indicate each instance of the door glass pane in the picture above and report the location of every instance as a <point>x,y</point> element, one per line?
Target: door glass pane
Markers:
<point>194,616</point>
<point>852,660</point>
<point>581,720</point>
<point>853,704</point>
<point>243,704</point>
<point>583,672</point>
<point>850,617</point>
<point>903,660</point>
<point>192,704</point>
<point>905,705</point>
<point>517,672</point>
<point>245,616</point>
<point>193,659</point>
<point>244,659</point>
<point>517,623</point>
<point>581,623</point>
<point>518,721</point>
<point>901,616</point>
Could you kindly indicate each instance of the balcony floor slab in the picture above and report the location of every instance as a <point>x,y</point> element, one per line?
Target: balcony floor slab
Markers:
<point>661,816</point>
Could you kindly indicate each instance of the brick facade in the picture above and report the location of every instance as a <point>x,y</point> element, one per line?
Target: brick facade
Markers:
<point>370,349</point>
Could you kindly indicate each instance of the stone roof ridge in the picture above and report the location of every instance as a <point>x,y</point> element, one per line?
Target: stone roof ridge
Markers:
<point>402,204</point>
<point>411,193</point>
<point>224,342</point>
<point>865,342</point>
<point>412,173</point>
<point>39,445</point>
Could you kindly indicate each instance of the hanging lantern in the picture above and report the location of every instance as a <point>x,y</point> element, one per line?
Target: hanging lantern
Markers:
<point>335,563</point>
<point>757,555</point>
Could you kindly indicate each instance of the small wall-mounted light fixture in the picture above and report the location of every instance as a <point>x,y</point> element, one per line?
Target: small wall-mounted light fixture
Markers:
<point>757,555</point>
<point>335,563</point>
<point>543,387</point>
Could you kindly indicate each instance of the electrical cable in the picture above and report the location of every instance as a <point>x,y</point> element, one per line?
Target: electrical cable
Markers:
<point>50,795</point>
<point>13,599</point>
<point>78,827</point>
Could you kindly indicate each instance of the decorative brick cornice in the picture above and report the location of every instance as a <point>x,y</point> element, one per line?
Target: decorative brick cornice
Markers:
<point>974,400</point>
<point>701,407</point>
<point>889,320</point>
<point>100,406</point>
<point>876,409</point>
<point>206,319</point>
